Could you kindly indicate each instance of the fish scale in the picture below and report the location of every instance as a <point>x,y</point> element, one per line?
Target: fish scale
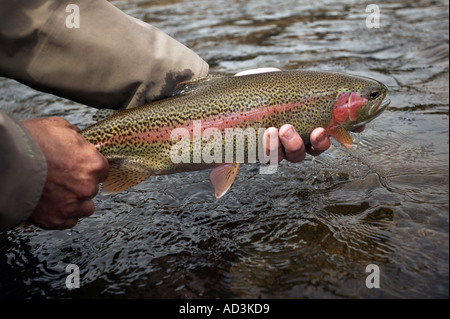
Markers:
<point>137,142</point>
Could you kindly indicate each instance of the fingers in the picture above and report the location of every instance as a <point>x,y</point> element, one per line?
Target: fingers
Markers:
<point>103,174</point>
<point>81,209</point>
<point>99,165</point>
<point>293,144</point>
<point>320,142</point>
<point>52,225</point>
<point>294,147</point>
<point>272,145</point>
<point>85,209</point>
<point>74,170</point>
<point>67,215</point>
<point>67,224</point>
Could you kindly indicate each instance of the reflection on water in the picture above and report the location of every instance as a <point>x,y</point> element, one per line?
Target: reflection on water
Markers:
<point>311,229</point>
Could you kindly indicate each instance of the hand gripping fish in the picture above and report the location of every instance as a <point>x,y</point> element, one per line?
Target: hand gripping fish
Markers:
<point>139,142</point>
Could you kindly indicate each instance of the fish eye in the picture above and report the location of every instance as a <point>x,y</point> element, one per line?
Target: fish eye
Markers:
<point>374,94</point>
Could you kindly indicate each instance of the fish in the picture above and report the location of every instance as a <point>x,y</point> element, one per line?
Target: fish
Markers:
<point>138,143</point>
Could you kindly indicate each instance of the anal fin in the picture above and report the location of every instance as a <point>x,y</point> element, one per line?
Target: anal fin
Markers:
<point>222,178</point>
<point>124,173</point>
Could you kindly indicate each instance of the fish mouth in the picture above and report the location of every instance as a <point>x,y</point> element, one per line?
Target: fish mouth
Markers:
<point>378,107</point>
<point>374,110</point>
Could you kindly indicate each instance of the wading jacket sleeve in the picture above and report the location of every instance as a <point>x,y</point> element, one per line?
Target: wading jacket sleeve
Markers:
<point>87,51</point>
<point>23,170</point>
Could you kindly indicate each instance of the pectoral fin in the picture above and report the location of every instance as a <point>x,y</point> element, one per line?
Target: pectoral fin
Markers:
<point>124,173</point>
<point>222,178</point>
<point>342,136</point>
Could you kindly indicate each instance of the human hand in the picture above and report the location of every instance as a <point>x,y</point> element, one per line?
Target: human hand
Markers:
<point>74,170</point>
<point>294,148</point>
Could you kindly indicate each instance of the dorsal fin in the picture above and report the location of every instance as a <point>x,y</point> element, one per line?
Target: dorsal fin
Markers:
<point>124,173</point>
<point>193,85</point>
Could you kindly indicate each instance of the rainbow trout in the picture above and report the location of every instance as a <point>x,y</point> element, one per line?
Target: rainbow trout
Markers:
<point>139,142</point>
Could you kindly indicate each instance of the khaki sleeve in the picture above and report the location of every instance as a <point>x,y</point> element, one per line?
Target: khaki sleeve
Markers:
<point>108,60</point>
<point>23,172</point>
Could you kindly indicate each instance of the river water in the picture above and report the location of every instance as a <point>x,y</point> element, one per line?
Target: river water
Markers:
<point>311,229</point>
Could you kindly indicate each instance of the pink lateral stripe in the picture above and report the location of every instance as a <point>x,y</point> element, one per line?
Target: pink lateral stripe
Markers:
<point>220,122</point>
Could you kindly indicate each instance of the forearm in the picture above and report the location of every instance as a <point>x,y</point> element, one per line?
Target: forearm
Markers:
<point>111,61</point>
<point>23,171</point>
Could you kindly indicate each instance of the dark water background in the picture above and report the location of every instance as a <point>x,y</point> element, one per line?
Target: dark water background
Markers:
<point>310,230</point>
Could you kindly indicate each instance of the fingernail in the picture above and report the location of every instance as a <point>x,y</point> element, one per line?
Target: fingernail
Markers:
<point>290,133</point>
<point>274,135</point>
<point>321,138</point>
